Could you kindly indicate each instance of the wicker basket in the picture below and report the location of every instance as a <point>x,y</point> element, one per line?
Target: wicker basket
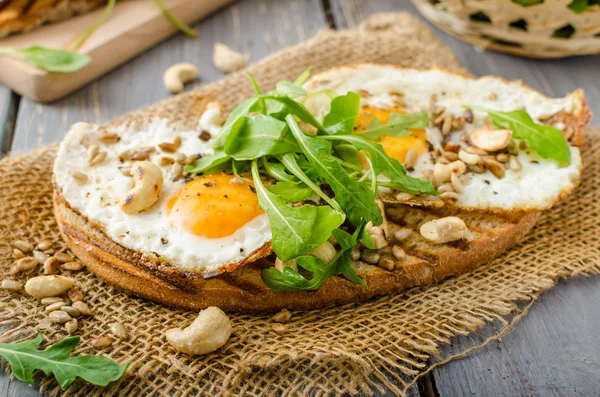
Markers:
<point>542,29</point>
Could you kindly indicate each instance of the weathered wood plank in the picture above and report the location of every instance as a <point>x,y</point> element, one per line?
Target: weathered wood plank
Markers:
<point>551,77</point>
<point>258,27</point>
<point>8,113</point>
<point>554,350</point>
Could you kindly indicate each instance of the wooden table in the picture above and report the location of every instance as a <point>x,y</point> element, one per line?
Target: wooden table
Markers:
<point>554,351</point>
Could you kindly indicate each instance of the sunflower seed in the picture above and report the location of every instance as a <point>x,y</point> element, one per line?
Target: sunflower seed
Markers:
<point>126,155</point>
<point>398,252</point>
<point>386,263</point>
<point>44,324</point>
<point>168,147</point>
<point>54,306</point>
<point>109,138</point>
<point>164,161</point>
<point>79,177</point>
<point>449,196</point>
<point>282,317</point>
<point>402,234</point>
<point>370,256</point>
<point>40,257</point>
<point>18,254</point>
<point>92,152</point>
<point>71,311</point>
<point>410,160</point>
<point>71,325</point>
<point>100,157</point>
<point>27,263</point>
<point>119,330</point>
<point>175,171</point>
<point>75,295</point>
<point>59,317</point>
<point>83,308</point>
<point>51,300</point>
<point>279,328</point>
<point>44,244</point>
<point>11,285</point>
<point>62,257</point>
<point>515,164</point>
<point>23,245</point>
<point>101,342</point>
<point>73,266</point>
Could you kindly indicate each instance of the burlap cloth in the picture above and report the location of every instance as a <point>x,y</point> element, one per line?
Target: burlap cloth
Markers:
<point>360,348</point>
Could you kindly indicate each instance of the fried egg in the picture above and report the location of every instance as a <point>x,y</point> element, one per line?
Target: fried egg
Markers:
<point>205,225</point>
<point>525,182</point>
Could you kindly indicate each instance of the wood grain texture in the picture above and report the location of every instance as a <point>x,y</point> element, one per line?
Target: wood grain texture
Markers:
<point>551,77</point>
<point>554,351</point>
<point>8,112</point>
<point>258,27</point>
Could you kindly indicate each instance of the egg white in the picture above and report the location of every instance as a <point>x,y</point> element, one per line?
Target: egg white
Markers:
<point>149,231</point>
<point>540,182</point>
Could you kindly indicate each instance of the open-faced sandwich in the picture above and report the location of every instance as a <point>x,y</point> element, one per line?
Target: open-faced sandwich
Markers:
<point>18,16</point>
<point>361,181</point>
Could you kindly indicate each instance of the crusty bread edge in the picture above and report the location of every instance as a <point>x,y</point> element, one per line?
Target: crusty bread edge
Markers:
<point>242,290</point>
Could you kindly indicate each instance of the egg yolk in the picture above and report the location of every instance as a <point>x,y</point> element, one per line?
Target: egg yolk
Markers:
<point>213,206</point>
<point>394,146</point>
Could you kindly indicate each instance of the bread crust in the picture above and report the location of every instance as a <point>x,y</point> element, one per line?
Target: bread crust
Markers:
<point>243,290</point>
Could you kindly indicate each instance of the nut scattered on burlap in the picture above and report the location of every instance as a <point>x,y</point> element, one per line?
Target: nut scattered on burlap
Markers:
<point>357,348</point>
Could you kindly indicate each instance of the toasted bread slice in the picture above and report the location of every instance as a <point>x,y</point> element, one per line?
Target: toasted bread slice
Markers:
<point>243,290</point>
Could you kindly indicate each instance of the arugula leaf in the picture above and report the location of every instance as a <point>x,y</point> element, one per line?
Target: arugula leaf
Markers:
<point>290,89</point>
<point>79,40</point>
<point>355,198</point>
<point>186,29</point>
<point>296,231</point>
<point>344,262</point>
<point>545,140</point>
<point>25,358</point>
<point>303,77</point>
<point>259,136</point>
<point>58,61</point>
<point>382,163</point>
<point>342,114</point>
<point>205,163</point>
<point>527,3</point>
<point>366,239</point>
<point>290,163</point>
<point>396,126</point>
<point>277,171</point>
<point>291,192</point>
<point>290,280</point>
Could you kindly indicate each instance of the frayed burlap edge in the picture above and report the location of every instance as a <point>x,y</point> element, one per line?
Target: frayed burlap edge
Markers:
<point>383,344</point>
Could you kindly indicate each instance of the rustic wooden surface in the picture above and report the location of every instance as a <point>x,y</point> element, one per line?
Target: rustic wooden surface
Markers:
<point>554,351</point>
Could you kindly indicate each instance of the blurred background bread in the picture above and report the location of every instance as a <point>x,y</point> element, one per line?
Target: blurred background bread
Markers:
<point>17,16</point>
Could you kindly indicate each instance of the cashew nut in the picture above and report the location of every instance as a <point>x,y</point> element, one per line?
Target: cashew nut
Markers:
<point>443,230</point>
<point>209,331</point>
<point>46,286</point>
<point>489,139</point>
<point>325,252</point>
<point>443,172</point>
<point>179,74</point>
<point>227,60</point>
<point>148,185</point>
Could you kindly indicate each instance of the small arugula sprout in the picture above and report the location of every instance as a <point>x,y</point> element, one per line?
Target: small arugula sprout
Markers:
<point>311,185</point>
<point>79,40</point>
<point>51,60</point>
<point>545,140</point>
<point>186,29</point>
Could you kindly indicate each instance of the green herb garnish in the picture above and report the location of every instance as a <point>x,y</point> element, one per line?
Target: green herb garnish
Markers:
<point>186,29</point>
<point>545,140</point>
<point>79,40</point>
<point>59,61</point>
<point>24,358</point>
<point>322,166</point>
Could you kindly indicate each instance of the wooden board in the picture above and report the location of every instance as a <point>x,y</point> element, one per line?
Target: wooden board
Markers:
<point>134,26</point>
